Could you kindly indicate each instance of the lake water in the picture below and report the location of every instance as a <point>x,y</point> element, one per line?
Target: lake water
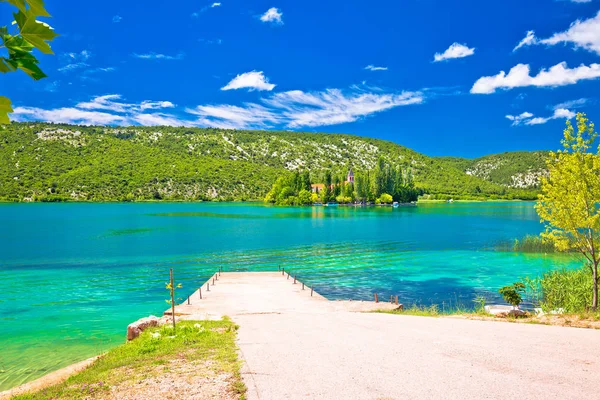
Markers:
<point>75,275</point>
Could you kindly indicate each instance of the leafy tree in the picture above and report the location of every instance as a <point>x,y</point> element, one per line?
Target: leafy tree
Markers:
<point>568,204</point>
<point>304,197</point>
<point>28,34</point>
<point>512,293</point>
<point>385,198</point>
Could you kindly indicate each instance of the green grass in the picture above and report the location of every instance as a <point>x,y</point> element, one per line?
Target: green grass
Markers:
<point>434,311</point>
<point>208,346</point>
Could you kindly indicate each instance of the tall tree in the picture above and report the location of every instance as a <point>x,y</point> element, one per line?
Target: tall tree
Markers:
<point>27,34</point>
<point>568,204</point>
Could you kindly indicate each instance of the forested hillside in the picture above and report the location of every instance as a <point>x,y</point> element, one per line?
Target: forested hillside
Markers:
<point>519,169</point>
<point>49,162</point>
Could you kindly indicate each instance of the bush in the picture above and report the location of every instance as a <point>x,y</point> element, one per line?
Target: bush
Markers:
<point>570,290</point>
<point>512,293</point>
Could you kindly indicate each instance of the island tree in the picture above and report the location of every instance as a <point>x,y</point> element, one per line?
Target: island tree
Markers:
<point>568,204</point>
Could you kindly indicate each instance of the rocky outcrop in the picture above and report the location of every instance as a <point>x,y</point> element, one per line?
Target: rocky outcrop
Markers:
<point>135,329</point>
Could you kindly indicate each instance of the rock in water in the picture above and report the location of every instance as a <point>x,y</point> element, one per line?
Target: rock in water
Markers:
<point>135,329</point>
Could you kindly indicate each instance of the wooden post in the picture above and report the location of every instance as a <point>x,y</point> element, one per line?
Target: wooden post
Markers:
<point>311,290</point>
<point>396,300</point>
<point>172,297</point>
<point>288,276</point>
<point>200,292</point>
<point>376,298</point>
<point>188,300</point>
<point>282,271</point>
<point>302,285</point>
<point>208,286</point>
<point>294,279</point>
<point>213,281</point>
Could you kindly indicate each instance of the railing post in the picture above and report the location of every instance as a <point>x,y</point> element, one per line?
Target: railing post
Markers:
<point>188,300</point>
<point>282,271</point>
<point>208,286</point>
<point>376,298</point>
<point>294,279</point>
<point>302,285</point>
<point>288,276</point>
<point>200,292</point>
<point>311,290</point>
<point>396,300</point>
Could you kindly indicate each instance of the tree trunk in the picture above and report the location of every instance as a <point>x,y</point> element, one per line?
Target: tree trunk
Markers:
<point>595,290</point>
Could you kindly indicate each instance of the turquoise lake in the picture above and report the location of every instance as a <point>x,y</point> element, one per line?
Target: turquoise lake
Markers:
<point>75,275</point>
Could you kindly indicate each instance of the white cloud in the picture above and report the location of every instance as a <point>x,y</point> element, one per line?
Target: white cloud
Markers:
<point>292,109</point>
<point>374,68</point>
<point>158,56</point>
<point>68,116</point>
<point>215,5</point>
<point>456,50</point>
<point>518,76</point>
<point>153,105</point>
<point>233,117</point>
<point>572,104</point>
<point>117,18</point>
<point>529,39</point>
<point>75,60</point>
<point>527,118</point>
<point>517,119</point>
<point>254,80</point>
<point>104,110</point>
<point>74,66</point>
<point>296,109</point>
<point>273,15</point>
<point>582,34</point>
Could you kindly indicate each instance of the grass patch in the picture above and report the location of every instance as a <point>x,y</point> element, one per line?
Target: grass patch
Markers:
<point>434,311</point>
<point>161,363</point>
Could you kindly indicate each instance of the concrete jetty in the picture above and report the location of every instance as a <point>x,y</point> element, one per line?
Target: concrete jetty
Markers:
<point>294,346</point>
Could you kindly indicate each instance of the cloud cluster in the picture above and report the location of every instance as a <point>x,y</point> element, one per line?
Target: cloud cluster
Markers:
<point>527,118</point>
<point>296,109</point>
<point>75,60</point>
<point>103,110</point>
<point>158,56</point>
<point>292,109</point>
<point>581,34</point>
<point>273,15</point>
<point>456,50</point>
<point>519,76</point>
<point>254,80</point>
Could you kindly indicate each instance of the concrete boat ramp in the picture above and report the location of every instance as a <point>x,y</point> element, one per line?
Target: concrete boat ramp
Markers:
<point>297,346</point>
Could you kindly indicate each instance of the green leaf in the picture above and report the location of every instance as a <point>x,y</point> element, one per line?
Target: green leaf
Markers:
<point>5,66</point>
<point>20,4</point>
<point>37,8</point>
<point>35,32</point>
<point>5,109</point>
<point>17,44</point>
<point>28,64</point>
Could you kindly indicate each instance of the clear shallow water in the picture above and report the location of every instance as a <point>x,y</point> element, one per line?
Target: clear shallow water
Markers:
<point>75,275</point>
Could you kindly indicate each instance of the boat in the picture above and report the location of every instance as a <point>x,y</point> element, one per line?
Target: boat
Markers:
<point>395,204</point>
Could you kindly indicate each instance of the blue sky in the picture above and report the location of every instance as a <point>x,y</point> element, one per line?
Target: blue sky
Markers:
<point>434,85</point>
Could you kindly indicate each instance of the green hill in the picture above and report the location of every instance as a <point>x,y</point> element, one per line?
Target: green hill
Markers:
<point>519,169</point>
<point>50,162</point>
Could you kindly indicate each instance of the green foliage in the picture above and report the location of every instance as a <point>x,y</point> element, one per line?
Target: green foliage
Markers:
<point>568,205</point>
<point>290,190</point>
<point>56,162</point>
<point>510,169</point>
<point>385,199</point>
<point>533,244</point>
<point>29,34</point>
<point>512,293</point>
<point>566,289</point>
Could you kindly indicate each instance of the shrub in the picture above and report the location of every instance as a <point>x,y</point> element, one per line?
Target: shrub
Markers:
<point>570,290</point>
<point>512,293</point>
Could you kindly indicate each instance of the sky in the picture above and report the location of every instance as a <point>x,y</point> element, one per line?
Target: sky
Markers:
<point>454,78</point>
